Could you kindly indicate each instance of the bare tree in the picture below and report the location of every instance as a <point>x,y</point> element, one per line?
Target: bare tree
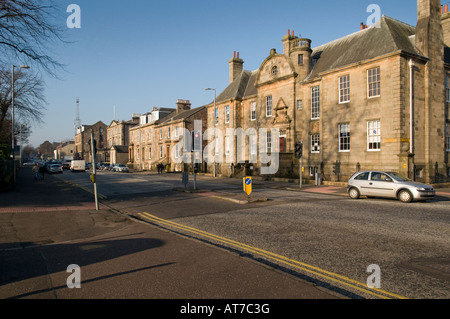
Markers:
<point>27,33</point>
<point>29,102</point>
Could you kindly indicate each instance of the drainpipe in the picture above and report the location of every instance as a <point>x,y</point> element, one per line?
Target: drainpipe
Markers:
<point>411,116</point>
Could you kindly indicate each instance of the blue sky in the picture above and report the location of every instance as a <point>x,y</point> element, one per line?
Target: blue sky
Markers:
<point>133,55</point>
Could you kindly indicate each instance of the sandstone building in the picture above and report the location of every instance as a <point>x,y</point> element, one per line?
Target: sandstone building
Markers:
<point>83,147</point>
<point>160,141</point>
<point>374,99</point>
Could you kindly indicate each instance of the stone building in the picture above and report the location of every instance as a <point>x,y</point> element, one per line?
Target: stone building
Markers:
<point>374,99</point>
<point>82,138</point>
<point>161,140</point>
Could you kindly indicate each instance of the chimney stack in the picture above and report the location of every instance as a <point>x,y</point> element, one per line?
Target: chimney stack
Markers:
<point>236,66</point>
<point>183,105</point>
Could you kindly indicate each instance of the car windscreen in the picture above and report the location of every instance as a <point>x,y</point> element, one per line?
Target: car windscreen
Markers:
<point>399,177</point>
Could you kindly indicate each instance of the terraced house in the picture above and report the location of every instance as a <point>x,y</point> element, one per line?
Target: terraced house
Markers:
<point>377,98</point>
<point>160,141</point>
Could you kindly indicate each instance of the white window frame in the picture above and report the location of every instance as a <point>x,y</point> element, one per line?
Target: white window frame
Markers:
<point>216,115</point>
<point>253,144</point>
<point>253,111</point>
<point>160,151</point>
<point>344,89</point>
<point>269,106</point>
<point>315,102</point>
<point>269,142</point>
<point>227,114</point>
<point>168,132</point>
<point>315,139</point>
<point>373,135</point>
<point>175,134</point>
<point>177,151</point>
<point>160,133</point>
<point>374,82</point>
<point>299,105</point>
<point>227,145</point>
<point>344,140</point>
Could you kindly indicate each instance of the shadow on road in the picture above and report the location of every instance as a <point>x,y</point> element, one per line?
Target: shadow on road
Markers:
<point>22,264</point>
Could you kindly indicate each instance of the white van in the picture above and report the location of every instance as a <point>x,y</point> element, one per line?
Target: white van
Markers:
<point>78,166</point>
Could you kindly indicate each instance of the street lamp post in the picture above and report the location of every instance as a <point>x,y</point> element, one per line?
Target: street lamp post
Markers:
<point>214,119</point>
<point>12,118</point>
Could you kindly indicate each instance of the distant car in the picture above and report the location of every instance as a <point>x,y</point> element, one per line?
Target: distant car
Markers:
<point>388,185</point>
<point>66,165</point>
<point>120,168</point>
<point>29,163</point>
<point>55,169</point>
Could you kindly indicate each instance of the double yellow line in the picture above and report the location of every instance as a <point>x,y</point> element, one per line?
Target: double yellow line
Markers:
<point>347,282</point>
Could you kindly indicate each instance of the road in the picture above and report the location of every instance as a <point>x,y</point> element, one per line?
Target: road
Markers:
<point>327,239</point>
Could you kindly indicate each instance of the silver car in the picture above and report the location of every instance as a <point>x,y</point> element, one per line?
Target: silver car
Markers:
<point>389,185</point>
<point>55,169</point>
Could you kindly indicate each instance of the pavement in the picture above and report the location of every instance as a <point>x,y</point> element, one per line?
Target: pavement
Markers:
<point>47,225</point>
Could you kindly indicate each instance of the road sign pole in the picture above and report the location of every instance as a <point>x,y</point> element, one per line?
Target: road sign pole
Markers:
<point>94,171</point>
<point>301,171</point>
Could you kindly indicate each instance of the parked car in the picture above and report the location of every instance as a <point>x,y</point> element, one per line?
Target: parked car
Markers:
<point>66,165</point>
<point>388,185</point>
<point>55,169</point>
<point>120,168</point>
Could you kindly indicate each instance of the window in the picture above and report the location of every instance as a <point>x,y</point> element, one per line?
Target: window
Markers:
<point>300,59</point>
<point>253,144</point>
<point>344,137</point>
<point>315,103</point>
<point>269,106</point>
<point>299,105</point>
<point>177,151</point>
<point>160,152</point>
<point>160,134</point>
<point>253,111</point>
<point>176,131</point>
<point>447,89</point>
<point>373,82</point>
<point>373,135</point>
<point>447,137</point>
<point>362,177</point>
<point>227,145</point>
<point>149,153</point>
<point>269,142</point>
<point>344,89</point>
<point>315,143</point>
<point>168,132</point>
<point>227,114</point>
<point>275,71</point>
<point>216,115</point>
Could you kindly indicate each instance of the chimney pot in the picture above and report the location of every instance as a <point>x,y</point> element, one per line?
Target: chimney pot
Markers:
<point>446,8</point>
<point>238,55</point>
<point>289,32</point>
<point>292,32</point>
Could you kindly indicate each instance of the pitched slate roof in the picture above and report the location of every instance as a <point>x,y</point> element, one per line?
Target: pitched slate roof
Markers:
<point>179,116</point>
<point>386,36</point>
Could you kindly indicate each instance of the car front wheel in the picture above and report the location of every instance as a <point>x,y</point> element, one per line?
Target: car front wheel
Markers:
<point>405,196</point>
<point>353,193</point>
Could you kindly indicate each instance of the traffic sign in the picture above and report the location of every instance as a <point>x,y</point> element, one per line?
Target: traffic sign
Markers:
<point>248,185</point>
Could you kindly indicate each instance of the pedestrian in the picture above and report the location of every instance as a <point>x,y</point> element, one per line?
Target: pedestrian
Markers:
<point>160,166</point>
<point>42,171</point>
<point>35,171</point>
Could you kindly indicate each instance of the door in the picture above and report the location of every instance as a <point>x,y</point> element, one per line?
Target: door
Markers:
<point>380,185</point>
